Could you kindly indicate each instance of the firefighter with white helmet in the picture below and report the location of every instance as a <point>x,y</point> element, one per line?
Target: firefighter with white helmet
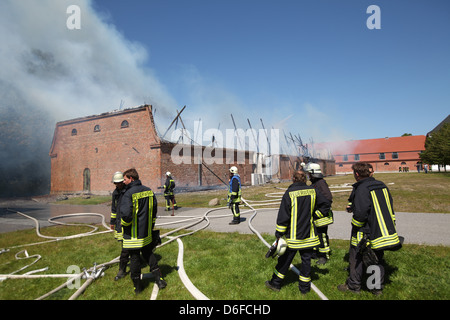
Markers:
<point>318,182</point>
<point>234,195</point>
<point>169,186</point>
<point>116,224</point>
<point>299,206</point>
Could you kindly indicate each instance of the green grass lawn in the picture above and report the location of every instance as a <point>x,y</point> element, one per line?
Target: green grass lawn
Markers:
<point>412,192</point>
<point>224,266</point>
<point>231,266</point>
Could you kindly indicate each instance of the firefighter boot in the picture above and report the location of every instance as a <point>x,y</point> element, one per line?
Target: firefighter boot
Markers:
<point>138,286</point>
<point>122,271</point>
<point>322,261</point>
<point>160,282</point>
<point>272,286</point>
<point>121,274</point>
<point>274,283</point>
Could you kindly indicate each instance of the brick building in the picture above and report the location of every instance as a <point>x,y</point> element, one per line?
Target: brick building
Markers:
<point>86,152</point>
<point>385,154</point>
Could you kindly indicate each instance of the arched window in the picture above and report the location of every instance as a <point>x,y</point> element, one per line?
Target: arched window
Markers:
<point>87,180</point>
<point>74,132</point>
<point>124,124</point>
<point>97,128</point>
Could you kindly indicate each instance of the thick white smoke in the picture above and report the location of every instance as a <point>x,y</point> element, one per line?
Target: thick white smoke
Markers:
<point>49,73</point>
<point>72,72</point>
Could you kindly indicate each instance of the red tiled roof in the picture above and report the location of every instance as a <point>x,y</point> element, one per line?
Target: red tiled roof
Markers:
<point>396,144</point>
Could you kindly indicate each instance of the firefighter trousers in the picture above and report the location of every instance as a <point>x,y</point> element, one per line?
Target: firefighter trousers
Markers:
<point>356,269</point>
<point>235,210</point>
<point>124,258</point>
<point>135,260</point>
<point>282,267</point>
<point>324,247</point>
<point>169,199</point>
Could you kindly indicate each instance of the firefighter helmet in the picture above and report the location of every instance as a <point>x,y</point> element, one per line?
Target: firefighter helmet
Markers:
<point>314,169</point>
<point>281,247</point>
<point>168,174</point>
<point>234,170</point>
<point>117,177</point>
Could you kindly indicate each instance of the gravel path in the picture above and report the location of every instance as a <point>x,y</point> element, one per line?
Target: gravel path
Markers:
<point>417,228</point>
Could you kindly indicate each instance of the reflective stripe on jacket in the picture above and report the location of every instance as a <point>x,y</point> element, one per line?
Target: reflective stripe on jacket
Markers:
<point>321,186</point>
<point>295,217</point>
<point>235,191</point>
<point>374,215</point>
<point>169,186</point>
<point>138,210</point>
<point>115,213</point>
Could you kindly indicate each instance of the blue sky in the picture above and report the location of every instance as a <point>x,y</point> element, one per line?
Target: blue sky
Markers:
<point>310,67</point>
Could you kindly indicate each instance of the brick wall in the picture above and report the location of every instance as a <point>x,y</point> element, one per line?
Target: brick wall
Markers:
<point>109,149</point>
<point>213,166</point>
<point>406,159</point>
<point>102,146</point>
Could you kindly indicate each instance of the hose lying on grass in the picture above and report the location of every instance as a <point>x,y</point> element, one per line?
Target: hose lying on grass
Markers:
<point>94,273</point>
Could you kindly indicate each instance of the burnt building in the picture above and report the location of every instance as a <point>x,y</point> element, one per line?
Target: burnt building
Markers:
<point>85,153</point>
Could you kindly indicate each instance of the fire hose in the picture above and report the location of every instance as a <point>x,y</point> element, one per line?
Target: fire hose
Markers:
<point>95,273</point>
<point>292,267</point>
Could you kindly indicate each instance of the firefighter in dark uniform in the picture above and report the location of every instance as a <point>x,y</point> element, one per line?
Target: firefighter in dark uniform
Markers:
<point>116,224</point>
<point>138,210</point>
<point>234,195</point>
<point>373,227</point>
<point>169,186</point>
<point>300,206</point>
<point>318,182</point>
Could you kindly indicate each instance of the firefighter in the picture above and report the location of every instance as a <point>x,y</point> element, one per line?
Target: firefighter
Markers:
<point>373,228</point>
<point>318,182</point>
<point>115,223</point>
<point>138,210</point>
<point>300,205</point>
<point>234,195</point>
<point>169,186</point>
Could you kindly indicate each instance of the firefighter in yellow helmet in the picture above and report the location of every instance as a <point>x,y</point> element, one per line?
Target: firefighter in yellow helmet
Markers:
<point>234,195</point>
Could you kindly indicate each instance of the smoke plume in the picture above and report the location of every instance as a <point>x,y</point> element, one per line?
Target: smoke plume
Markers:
<point>50,72</point>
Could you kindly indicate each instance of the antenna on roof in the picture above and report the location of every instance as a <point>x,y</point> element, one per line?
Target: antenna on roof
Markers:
<point>267,137</point>
<point>176,119</point>
<point>253,134</point>
<point>236,133</point>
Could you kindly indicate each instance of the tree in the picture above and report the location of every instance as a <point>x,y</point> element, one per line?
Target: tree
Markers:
<point>437,147</point>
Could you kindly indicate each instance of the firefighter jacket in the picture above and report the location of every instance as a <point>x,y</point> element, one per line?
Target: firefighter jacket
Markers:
<point>235,191</point>
<point>169,186</point>
<point>138,209</point>
<point>373,214</point>
<point>300,206</point>
<point>115,213</point>
<point>321,186</point>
